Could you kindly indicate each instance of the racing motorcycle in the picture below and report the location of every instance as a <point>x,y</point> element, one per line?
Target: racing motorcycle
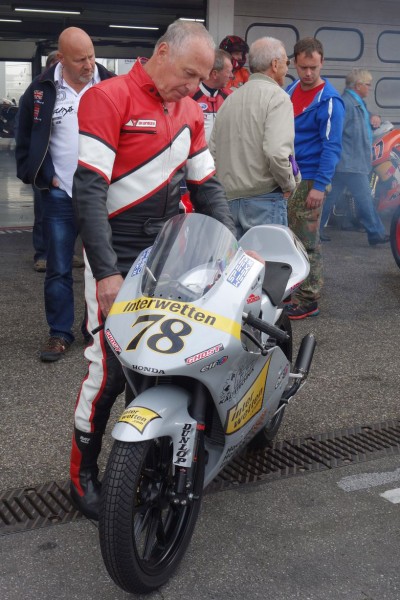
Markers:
<point>199,328</point>
<point>384,179</point>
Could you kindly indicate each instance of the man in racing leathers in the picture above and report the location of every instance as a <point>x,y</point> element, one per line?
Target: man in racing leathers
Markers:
<point>212,92</point>
<point>139,137</point>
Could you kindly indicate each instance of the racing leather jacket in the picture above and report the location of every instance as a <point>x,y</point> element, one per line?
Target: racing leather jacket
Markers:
<point>35,113</point>
<point>240,77</point>
<point>134,149</point>
<point>210,102</point>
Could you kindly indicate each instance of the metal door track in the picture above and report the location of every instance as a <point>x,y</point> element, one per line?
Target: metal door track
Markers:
<point>30,508</point>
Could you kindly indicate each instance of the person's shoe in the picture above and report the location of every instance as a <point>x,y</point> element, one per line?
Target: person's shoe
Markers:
<point>77,262</point>
<point>40,265</point>
<point>54,349</point>
<point>85,488</point>
<point>324,238</point>
<point>381,240</point>
<point>301,311</point>
<point>88,503</point>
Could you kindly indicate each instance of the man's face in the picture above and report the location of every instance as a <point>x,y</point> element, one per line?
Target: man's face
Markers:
<point>362,88</point>
<point>78,63</point>
<point>182,70</point>
<point>237,54</point>
<point>282,69</point>
<point>309,69</point>
<point>222,77</point>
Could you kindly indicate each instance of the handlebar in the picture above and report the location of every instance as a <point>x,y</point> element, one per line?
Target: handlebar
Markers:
<point>271,330</point>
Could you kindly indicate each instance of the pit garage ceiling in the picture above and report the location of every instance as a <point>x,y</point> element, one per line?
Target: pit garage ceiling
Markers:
<point>36,33</point>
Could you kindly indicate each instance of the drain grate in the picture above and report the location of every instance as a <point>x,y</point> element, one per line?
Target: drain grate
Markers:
<point>49,504</point>
<point>337,448</point>
<point>36,507</point>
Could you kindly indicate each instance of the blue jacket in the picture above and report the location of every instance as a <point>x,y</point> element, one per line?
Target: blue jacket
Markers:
<point>32,136</point>
<point>318,135</point>
<point>356,145</point>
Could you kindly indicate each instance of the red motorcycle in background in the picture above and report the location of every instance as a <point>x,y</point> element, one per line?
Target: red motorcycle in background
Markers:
<point>386,161</point>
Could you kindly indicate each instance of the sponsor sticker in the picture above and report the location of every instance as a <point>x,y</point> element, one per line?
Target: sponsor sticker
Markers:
<point>138,268</point>
<point>252,298</point>
<point>183,448</point>
<point>113,342</point>
<point>204,354</point>
<point>139,417</point>
<point>214,364</point>
<point>249,405</point>
<point>184,309</point>
<point>240,270</point>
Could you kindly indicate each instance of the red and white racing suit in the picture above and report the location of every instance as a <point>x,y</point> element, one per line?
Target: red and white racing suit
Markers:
<point>210,102</point>
<point>133,151</point>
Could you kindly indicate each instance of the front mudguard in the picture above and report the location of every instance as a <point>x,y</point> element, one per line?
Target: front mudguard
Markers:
<point>160,411</point>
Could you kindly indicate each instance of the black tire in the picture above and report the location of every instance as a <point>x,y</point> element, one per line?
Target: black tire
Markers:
<point>265,436</point>
<point>395,236</point>
<point>143,534</point>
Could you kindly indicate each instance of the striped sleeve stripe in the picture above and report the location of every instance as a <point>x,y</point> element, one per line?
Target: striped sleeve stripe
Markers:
<point>96,155</point>
<point>200,166</point>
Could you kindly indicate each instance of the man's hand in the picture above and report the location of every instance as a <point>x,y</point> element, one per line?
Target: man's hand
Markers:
<point>375,121</point>
<point>107,290</point>
<point>315,199</point>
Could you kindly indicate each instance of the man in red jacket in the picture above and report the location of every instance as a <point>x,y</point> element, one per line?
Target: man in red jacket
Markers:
<point>212,92</point>
<point>139,137</point>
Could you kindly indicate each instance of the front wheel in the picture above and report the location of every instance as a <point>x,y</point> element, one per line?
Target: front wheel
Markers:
<point>143,531</point>
<point>265,436</point>
<point>395,236</point>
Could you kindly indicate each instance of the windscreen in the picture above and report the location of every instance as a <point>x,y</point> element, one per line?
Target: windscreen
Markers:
<point>188,257</point>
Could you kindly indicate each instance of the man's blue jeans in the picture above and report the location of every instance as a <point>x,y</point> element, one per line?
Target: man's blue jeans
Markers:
<point>358,185</point>
<point>39,242</point>
<point>60,232</point>
<point>267,209</point>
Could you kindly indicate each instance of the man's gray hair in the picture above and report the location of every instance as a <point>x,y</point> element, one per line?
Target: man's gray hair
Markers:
<point>357,76</point>
<point>179,33</point>
<point>262,53</point>
<point>220,57</point>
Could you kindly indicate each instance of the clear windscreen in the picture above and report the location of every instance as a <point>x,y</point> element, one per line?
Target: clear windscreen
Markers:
<point>188,257</point>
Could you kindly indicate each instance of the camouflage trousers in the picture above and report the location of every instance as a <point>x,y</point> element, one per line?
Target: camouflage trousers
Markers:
<point>304,222</point>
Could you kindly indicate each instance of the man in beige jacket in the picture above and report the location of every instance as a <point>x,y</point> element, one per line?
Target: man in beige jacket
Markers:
<point>253,141</point>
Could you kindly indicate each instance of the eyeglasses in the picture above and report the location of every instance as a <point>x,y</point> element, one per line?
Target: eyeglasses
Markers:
<point>367,84</point>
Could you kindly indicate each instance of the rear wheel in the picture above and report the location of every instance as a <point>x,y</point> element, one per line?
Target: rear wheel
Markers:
<point>143,532</point>
<point>395,236</point>
<point>265,436</point>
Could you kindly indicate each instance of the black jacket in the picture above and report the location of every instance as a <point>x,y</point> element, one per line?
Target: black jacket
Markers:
<point>34,163</point>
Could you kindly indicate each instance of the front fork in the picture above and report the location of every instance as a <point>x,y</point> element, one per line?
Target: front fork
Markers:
<point>184,476</point>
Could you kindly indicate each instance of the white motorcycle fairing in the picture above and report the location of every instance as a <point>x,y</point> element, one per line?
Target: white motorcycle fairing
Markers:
<point>179,316</point>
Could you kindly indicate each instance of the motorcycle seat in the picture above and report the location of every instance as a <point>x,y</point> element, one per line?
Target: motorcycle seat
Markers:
<point>276,276</point>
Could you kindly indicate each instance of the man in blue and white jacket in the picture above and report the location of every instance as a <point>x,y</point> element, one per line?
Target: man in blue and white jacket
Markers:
<point>319,115</point>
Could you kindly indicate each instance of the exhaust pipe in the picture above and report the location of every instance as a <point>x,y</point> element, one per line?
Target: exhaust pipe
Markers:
<point>301,367</point>
<point>305,355</point>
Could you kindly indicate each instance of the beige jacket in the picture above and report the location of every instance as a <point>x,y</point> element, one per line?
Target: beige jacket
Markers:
<point>252,139</point>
